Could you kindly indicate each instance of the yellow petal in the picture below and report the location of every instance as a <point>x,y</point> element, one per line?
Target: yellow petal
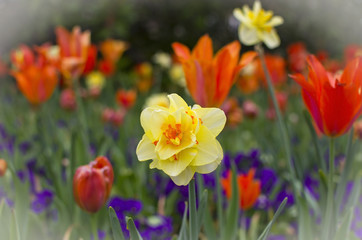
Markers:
<point>174,167</point>
<point>165,149</point>
<point>152,120</point>
<point>256,7</point>
<point>184,178</point>
<point>176,102</point>
<point>271,39</point>
<point>212,118</point>
<point>207,147</point>
<point>145,149</point>
<point>248,36</point>
<point>275,21</point>
<point>208,168</point>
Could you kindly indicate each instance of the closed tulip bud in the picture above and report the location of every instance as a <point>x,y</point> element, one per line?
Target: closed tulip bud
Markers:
<point>92,184</point>
<point>3,167</point>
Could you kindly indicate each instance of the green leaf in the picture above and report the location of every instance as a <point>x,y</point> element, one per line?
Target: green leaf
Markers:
<point>266,231</point>
<point>233,209</point>
<point>209,227</point>
<point>344,229</point>
<point>193,213</point>
<point>183,231</point>
<point>201,210</point>
<point>115,225</point>
<point>220,212</point>
<point>16,230</point>
<point>133,232</point>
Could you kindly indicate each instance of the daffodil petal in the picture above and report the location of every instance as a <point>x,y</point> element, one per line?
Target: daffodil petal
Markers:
<point>275,21</point>
<point>256,7</point>
<point>152,120</point>
<point>238,14</point>
<point>212,118</point>
<point>176,102</point>
<point>184,177</point>
<point>271,39</point>
<point>174,166</point>
<point>145,149</point>
<point>207,147</point>
<point>248,36</point>
<point>205,169</point>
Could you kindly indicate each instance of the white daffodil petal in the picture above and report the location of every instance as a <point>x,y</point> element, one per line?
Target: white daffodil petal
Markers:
<point>175,165</point>
<point>275,21</point>
<point>145,149</point>
<point>176,102</point>
<point>248,36</point>
<point>256,7</point>
<point>212,118</point>
<point>271,39</point>
<point>183,178</point>
<point>205,169</point>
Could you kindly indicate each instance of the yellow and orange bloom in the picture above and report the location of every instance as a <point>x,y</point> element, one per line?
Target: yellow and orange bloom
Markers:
<point>22,57</point>
<point>126,98</point>
<point>257,25</point>
<point>159,99</point>
<point>92,184</point>
<point>37,83</point>
<point>112,49</point>
<point>3,167</point>
<point>74,49</point>
<point>181,140</point>
<point>144,72</point>
<point>334,101</point>
<point>249,188</point>
<point>209,79</point>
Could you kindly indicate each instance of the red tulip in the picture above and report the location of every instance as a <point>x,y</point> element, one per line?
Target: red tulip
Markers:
<point>126,98</point>
<point>334,101</point>
<point>92,184</point>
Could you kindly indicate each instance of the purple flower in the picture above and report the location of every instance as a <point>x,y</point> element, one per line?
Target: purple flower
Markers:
<point>42,201</point>
<point>125,206</point>
<point>157,227</point>
<point>312,185</point>
<point>276,237</point>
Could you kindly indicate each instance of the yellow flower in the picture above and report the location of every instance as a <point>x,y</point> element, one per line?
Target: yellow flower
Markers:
<point>158,100</point>
<point>95,80</point>
<point>181,140</point>
<point>258,26</point>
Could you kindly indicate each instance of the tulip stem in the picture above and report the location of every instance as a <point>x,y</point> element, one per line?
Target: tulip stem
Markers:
<point>328,215</point>
<point>94,225</point>
<point>282,126</point>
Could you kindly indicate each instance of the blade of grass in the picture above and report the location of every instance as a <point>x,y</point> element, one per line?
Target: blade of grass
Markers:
<point>115,225</point>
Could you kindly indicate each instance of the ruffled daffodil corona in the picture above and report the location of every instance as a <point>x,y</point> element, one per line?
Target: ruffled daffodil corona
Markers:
<point>181,140</point>
<point>257,26</point>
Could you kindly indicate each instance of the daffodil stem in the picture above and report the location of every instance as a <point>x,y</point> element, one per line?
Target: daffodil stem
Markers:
<point>192,210</point>
<point>220,198</point>
<point>345,174</point>
<point>328,220</point>
<point>282,126</point>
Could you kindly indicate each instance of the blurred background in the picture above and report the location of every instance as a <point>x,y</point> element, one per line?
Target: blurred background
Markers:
<point>152,25</point>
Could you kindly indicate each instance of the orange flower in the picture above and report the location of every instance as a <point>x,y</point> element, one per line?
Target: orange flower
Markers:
<point>248,81</point>
<point>92,184</point>
<point>297,54</point>
<point>112,49</point>
<point>22,57</point>
<point>126,98</point>
<point>352,51</point>
<point>37,83</point>
<point>3,167</point>
<point>91,60</point>
<point>74,48</point>
<point>249,189</point>
<point>233,111</point>
<point>334,101</point>
<point>276,66</point>
<point>209,78</point>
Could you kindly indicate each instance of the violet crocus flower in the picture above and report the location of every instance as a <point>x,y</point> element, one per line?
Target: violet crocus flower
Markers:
<point>42,201</point>
<point>157,227</point>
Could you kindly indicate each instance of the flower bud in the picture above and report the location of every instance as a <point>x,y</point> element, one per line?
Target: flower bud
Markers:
<point>250,109</point>
<point>92,184</point>
<point>3,167</point>
<point>68,99</point>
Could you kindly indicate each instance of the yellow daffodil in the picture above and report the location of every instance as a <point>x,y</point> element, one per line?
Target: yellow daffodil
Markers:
<point>257,25</point>
<point>181,140</point>
<point>159,99</point>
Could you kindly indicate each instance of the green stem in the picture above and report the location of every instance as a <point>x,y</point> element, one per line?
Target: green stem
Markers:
<point>282,126</point>
<point>220,198</point>
<point>345,174</point>
<point>93,217</point>
<point>192,210</point>
<point>328,228</point>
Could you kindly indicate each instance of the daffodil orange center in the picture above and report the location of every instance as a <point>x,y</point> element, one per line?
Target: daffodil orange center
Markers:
<point>173,134</point>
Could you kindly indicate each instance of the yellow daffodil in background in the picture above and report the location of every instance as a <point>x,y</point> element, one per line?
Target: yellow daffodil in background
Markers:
<point>258,25</point>
<point>158,100</point>
<point>95,80</point>
<point>181,140</point>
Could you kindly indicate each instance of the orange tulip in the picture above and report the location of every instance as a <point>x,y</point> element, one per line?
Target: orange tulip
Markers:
<point>3,167</point>
<point>249,189</point>
<point>334,101</point>
<point>22,57</point>
<point>297,53</point>
<point>37,83</point>
<point>74,47</point>
<point>112,50</point>
<point>92,184</point>
<point>277,69</point>
<point>209,79</point>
